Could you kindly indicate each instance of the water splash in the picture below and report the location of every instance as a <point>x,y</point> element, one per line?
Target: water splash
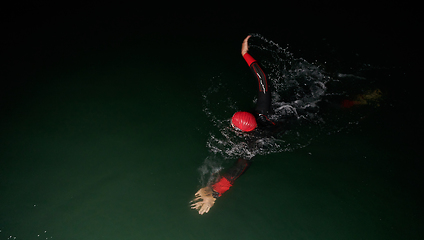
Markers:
<point>209,171</point>
<point>300,91</point>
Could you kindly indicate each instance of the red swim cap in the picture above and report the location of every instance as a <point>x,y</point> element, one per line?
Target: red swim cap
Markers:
<point>244,121</point>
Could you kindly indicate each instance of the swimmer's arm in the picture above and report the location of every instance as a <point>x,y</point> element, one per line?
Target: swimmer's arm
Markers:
<point>244,49</point>
<point>254,66</point>
<point>263,104</point>
<point>205,198</point>
<point>227,181</point>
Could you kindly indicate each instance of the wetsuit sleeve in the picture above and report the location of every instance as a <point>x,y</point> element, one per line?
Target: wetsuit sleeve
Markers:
<point>227,180</point>
<point>263,105</point>
<point>249,59</point>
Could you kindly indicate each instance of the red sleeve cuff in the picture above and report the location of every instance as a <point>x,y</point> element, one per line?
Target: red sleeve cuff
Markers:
<point>249,59</point>
<point>347,104</point>
<point>221,186</point>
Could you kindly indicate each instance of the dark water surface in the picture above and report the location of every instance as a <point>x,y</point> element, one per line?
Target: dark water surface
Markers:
<point>103,130</point>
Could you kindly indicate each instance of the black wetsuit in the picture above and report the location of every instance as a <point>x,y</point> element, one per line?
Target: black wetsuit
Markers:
<point>263,105</point>
<point>262,110</point>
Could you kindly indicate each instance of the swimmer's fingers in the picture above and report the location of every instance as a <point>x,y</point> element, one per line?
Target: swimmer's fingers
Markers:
<point>208,203</point>
<point>199,193</point>
<point>196,205</point>
<point>203,200</point>
<point>204,209</point>
<point>196,200</point>
<point>245,41</point>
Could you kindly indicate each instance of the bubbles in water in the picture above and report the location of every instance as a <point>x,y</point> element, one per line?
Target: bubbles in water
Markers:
<point>211,167</point>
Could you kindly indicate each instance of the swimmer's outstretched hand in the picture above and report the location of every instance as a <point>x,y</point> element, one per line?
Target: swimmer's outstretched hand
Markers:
<point>203,201</point>
<point>245,45</point>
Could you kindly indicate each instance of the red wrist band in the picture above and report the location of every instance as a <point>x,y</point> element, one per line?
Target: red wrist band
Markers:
<point>221,186</point>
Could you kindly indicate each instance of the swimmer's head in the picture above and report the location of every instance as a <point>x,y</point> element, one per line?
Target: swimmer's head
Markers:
<point>243,121</point>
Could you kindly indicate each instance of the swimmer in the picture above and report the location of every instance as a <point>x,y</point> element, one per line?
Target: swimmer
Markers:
<point>246,122</point>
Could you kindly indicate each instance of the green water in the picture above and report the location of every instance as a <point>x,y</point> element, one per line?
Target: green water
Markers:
<point>106,144</point>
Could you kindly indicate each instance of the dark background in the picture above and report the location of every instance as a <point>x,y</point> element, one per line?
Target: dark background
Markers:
<point>40,40</point>
<point>42,37</point>
<point>40,33</point>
